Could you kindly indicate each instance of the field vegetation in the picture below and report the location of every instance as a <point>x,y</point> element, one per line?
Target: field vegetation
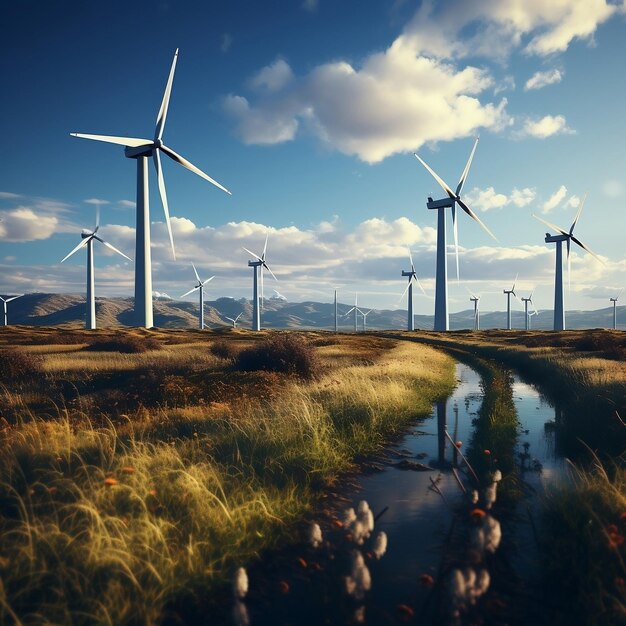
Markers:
<point>136,480</point>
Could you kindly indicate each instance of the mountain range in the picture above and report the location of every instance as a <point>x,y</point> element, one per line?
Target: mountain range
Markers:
<point>68,311</point>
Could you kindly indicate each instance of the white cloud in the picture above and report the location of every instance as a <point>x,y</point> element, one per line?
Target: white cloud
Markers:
<point>546,127</point>
<point>272,77</point>
<point>127,204</point>
<point>486,199</point>
<point>96,201</point>
<point>506,84</point>
<point>555,199</point>
<point>543,79</point>
<point>7,195</point>
<point>23,224</point>
<point>572,202</point>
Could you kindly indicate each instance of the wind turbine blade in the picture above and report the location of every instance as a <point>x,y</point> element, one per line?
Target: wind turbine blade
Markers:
<point>584,247</point>
<point>405,290</point>
<point>130,142</point>
<point>265,245</point>
<point>190,166</point>
<point>256,256</point>
<point>262,288</point>
<point>190,291</point>
<point>95,230</point>
<point>580,208</point>
<point>159,170</point>
<point>515,281</point>
<point>267,267</point>
<point>436,176</point>
<point>230,319</point>
<point>476,218</point>
<point>162,115</point>
<point>13,298</point>
<point>569,264</point>
<point>455,229</point>
<point>552,226</point>
<point>82,244</point>
<point>411,259</point>
<point>240,314</point>
<point>350,311</point>
<point>417,280</point>
<point>466,170</point>
<point>208,280</point>
<point>196,273</point>
<point>108,245</point>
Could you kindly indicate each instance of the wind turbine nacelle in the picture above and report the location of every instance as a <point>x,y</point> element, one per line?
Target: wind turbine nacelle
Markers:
<point>554,238</point>
<point>140,151</point>
<point>444,203</point>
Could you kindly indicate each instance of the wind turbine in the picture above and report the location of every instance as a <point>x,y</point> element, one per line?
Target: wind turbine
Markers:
<point>142,150</point>
<point>356,310</point>
<point>508,293</point>
<point>527,316</point>
<point>200,287</point>
<point>258,266</point>
<point>412,277</point>
<point>568,237</point>
<point>454,197</point>
<point>5,301</point>
<point>336,325</point>
<point>613,300</point>
<point>475,300</point>
<point>234,321</point>
<point>87,240</point>
<point>365,319</point>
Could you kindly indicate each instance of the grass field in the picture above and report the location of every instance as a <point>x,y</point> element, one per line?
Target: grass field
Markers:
<point>130,478</point>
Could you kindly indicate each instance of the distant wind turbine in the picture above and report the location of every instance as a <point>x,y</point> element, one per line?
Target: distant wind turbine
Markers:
<point>476,300</point>
<point>5,301</point>
<point>199,287</point>
<point>87,240</point>
<point>364,314</point>
<point>258,266</point>
<point>412,275</point>
<point>527,315</point>
<point>442,321</point>
<point>508,293</point>
<point>141,150</point>
<point>614,301</point>
<point>356,310</point>
<point>234,321</point>
<point>568,237</point>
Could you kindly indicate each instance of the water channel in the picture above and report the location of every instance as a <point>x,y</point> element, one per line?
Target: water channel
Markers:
<point>417,516</point>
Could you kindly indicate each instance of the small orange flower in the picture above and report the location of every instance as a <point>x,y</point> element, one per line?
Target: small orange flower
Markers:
<point>128,470</point>
<point>405,612</point>
<point>283,586</point>
<point>615,540</point>
<point>487,452</point>
<point>458,444</point>
<point>110,481</point>
<point>477,514</point>
<point>426,580</point>
<point>52,490</point>
<point>152,492</point>
<point>302,562</point>
<point>337,523</point>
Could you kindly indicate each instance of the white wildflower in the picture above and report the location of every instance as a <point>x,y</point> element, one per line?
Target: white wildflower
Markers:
<point>363,507</point>
<point>315,535</point>
<point>465,587</point>
<point>490,494</point>
<point>474,496</point>
<point>359,532</point>
<point>485,537</point>
<point>366,517</point>
<point>349,516</point>
<point>240,583</point>
<point>240,614</point>
<point>380,544</point>
<point>497,476</point>
<point>359,580</point>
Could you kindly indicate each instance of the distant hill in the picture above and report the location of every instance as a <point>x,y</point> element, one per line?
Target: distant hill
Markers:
<point>68,311</point>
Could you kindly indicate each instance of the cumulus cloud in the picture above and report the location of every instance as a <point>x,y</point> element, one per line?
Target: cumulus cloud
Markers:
<point>96,201</point>
<point>7,195</point>
<point>272,77</point>
<point>543,79</point>
<point>572,202</point>
<point>127,204</point>
<point>23,224</point>
<point>555,199</point>
<point>546,127</point>
<point>487,199</point>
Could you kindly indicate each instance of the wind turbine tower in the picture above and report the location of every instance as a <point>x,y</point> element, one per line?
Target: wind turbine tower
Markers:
<point>336,324</point>
<point>613,300</point>
<point>412,277</point>
<point>442,321</point>
<point>4,305</point>
<point>527,315</point>
<point>199,287</point>
<point>257,267</point>
<point>365,319</point>
<point>141,150</point>
<point>508,293</point>
<point>356,310</point>
<point>87,241</point>
<point>475,300</point>
<point>568,237</point>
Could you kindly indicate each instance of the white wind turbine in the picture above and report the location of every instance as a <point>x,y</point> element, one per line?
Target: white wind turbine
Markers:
<point>508,293</point>
<point>142,150</point>
<point>5,301</point>
<point>258,266</point>
<point>356,310</point>
<point>88,238</point>
<point>568,237</point>
<point>476,299</point>
<point>412,278</point>
<point>234,321</point>
<point>614,301</point>
<point>364,314</point>
<point>528,315</point>
<point>454,197</point>
<point>200,287</point>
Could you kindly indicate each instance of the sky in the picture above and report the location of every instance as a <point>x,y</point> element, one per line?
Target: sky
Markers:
<point>309,112</point>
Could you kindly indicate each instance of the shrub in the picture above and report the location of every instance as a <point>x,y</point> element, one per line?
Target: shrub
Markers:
<point>16,365</point>
<point>223,349</point>
<point>280,353</point>
<point>124,344</point>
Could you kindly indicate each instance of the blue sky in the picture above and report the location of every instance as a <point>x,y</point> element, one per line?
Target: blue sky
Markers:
<point>309,112</point>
